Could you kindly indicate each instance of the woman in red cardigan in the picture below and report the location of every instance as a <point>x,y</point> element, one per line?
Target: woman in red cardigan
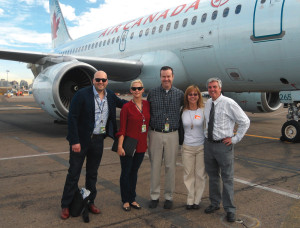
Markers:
<point>134,122</point>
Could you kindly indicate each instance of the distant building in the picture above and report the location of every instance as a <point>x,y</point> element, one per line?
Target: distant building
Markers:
<point>24,85</point>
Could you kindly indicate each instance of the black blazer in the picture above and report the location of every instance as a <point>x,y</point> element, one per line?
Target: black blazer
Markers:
<point>81,118</point>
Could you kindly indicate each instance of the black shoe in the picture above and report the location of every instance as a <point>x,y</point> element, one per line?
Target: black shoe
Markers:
<point>196,206</point>
<point>126,208</point>
<point>189,207</point>
<point>211,209</point>
<point>136,206</point>
<point>230,217</point>
<point>153,203</point>
<point>168,204</point>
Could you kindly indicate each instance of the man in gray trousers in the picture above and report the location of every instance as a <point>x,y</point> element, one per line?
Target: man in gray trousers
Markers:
<point>221,114</point>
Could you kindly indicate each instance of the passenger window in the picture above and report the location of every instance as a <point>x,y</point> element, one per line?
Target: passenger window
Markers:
<point>96,45</point>
<point>141,33</point>
<point>153,30</point>
<point>93,46</point>
<point>85,47</point>
<point>113,40</point>
<point>100,43</point>
<point>161,28</point>
<point>89,47</point>
<point>238,9</point>
<point>226,12</point>
<point>168,26</point>
<point>131,36</point>
<point>214,15</point>
<point>262,1</point>
<point>104,42</point>
<point>184,22</point>
<point>203,18</point>
<point>108,41</point>
<point>176,24</point>
<point>147,32</point>
<point>118,39</point>
<point>82,48</point>
<point>194,20</point>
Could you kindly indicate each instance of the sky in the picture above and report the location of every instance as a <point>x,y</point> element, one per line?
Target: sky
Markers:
<point>25,24</point>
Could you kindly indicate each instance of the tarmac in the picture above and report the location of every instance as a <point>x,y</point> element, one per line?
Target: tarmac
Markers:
<point>34,162</point>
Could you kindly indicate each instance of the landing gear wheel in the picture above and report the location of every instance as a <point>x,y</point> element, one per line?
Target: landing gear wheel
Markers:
<point>290,131</point>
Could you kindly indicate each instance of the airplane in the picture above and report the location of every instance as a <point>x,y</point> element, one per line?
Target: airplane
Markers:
<point>252,46</point>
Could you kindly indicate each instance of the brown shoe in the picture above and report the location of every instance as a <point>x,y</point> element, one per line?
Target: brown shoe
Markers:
<point>94,209</point>
<point>65,213</point>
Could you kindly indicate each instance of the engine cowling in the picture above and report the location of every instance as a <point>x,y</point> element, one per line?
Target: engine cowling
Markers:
<point>55,86</point>
<point>256,102</point>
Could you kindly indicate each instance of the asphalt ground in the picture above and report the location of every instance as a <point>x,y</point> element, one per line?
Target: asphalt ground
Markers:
<point>34,162</point>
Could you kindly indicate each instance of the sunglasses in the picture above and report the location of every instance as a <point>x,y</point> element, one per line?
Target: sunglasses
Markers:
<point>100,79</point>
<point>193,94</point>
<point>137,88</point>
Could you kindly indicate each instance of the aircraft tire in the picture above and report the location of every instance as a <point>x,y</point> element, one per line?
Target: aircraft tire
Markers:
<point>290,131</point>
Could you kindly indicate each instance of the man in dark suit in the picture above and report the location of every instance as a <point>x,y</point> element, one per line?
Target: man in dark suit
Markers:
<point>92,117</point>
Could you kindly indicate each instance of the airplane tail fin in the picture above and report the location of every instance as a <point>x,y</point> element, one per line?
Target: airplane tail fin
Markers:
<point>59,30</point>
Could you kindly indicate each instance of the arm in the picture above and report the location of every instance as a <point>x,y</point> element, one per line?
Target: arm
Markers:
<point>241,119</point>
<point>122,130</point>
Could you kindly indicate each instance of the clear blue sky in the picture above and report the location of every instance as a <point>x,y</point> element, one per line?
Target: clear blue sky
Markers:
<point>25,24</point>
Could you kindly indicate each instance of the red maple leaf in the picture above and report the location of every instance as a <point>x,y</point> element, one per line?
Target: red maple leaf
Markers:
<point>54,26</point>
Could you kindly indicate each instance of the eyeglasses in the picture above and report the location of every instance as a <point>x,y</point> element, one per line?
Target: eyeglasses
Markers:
<point>100,79</point>
<point>137,88</point>
<point>193,94</point>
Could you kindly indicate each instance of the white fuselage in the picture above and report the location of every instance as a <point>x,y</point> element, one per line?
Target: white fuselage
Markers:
<point>255,49</point>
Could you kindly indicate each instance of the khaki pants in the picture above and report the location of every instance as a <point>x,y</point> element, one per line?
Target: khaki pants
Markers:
<point>194,172</point>
<point>162,147</point>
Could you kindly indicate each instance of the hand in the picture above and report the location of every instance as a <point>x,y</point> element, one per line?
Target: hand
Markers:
<point>227,141</point>
<point>76,148</point>
<point>121,152</point>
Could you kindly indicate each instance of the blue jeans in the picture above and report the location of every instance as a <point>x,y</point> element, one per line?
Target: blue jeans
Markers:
<point>130,167</point>
<point>93,153</point>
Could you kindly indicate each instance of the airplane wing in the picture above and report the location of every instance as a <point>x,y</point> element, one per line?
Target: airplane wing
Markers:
<point>117,69</point>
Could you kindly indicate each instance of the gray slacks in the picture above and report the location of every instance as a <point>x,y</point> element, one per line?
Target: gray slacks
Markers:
<point>163,147</point>
<point>219,163</point>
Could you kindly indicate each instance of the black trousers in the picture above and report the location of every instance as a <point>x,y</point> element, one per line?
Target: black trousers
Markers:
<point>93,153</point>
<point>130,167</point>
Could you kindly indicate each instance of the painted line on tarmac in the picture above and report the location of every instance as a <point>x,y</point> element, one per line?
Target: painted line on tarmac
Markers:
<point>263,137</point>
<point>34,155</point>
<point>291,195</point>
<point>18,107</point>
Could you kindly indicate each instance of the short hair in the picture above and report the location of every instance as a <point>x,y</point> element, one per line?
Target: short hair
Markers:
<point>136,81</point>
<point>218,80</point>
<point>166,68</point>
<point>188,90</point>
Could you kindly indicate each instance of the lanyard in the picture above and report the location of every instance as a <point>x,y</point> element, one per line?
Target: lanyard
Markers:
<point>100,108</point>
<point>141,111</point>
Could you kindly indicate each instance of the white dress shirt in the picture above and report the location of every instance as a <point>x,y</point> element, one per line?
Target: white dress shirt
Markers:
<point>227,114</point>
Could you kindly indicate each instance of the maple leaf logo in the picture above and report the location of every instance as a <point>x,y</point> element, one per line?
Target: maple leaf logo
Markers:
<point>217,3</point>
<point>54,26</point>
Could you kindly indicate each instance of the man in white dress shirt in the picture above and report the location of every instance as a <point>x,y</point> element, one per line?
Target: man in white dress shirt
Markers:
<point>221,114</point>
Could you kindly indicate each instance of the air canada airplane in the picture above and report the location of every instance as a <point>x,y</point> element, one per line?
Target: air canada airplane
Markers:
<point>252,46</point>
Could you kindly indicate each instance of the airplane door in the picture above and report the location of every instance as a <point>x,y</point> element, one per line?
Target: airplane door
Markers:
<point>267,19</point>
<point>122,45</point>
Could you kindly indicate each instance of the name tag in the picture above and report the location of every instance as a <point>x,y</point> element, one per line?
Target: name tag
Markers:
<point>197,117</point>
<point>144,128</point>
<point>102,130</point>
<point>167,127</point>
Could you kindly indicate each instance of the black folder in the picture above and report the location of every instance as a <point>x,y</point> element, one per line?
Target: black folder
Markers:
<point>129,145</point>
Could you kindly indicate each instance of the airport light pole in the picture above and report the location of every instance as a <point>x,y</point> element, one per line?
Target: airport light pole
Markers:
<point>7,77</point>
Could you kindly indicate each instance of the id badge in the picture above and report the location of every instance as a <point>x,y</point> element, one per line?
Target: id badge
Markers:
<point>102,130</point>
<point>167,127</point>
<point>143,128</point>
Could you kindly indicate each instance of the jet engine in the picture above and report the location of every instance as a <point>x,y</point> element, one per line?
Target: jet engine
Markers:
<point>256,102</point>
<point>55,86</point>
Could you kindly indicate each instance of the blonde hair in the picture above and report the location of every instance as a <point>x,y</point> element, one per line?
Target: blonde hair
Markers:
<point>137,81</point>
<point>189,89</point>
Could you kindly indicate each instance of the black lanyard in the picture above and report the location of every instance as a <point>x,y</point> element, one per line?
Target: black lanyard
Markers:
<point>141,111</point>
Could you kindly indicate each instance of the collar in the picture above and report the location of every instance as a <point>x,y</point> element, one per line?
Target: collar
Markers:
<point>218,99</point>
<point>162,89</point>
<point>96,94</point>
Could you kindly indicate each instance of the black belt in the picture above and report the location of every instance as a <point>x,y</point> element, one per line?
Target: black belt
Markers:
<point>163,131</point>
<point>97,135</point>
<point>215,141</point>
